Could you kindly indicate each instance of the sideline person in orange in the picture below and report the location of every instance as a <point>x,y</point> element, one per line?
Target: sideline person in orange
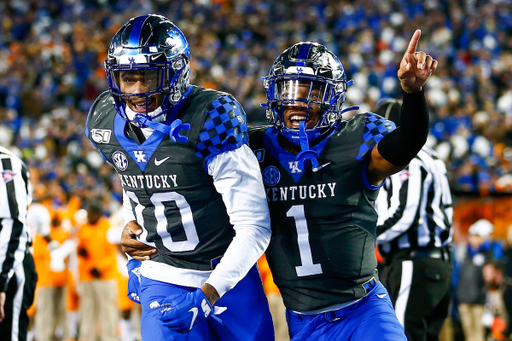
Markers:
<point>129,321</point>
<point>275,300</point>
<point>97,267</point>
<point>51,287</point>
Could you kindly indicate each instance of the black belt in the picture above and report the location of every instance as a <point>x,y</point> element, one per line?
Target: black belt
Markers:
<point>436,253</point>
<point>369,285</point>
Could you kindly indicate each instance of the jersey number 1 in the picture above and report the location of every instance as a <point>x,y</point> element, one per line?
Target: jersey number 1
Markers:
<point>307,268</point>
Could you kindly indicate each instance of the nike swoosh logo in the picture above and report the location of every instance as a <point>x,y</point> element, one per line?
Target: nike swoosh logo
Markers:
<point>381,295</point>
<point>194,311</point>
<point>159,162</point>
<point>154,57</point>
<point>316,169</point>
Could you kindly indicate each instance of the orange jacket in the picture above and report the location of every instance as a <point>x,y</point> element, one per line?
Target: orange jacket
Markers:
<point>99,253</point>
<point>47,277</point>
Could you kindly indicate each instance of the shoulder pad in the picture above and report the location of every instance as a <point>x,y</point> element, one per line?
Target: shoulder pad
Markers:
<point>101,106</point>
<point>103,100</point>
<point>258,130</point>
<point>224,128</point>
<point>375,128</point>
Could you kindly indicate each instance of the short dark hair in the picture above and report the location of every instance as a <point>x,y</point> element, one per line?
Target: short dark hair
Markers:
<point>94,208</point>
<point>497,265</point>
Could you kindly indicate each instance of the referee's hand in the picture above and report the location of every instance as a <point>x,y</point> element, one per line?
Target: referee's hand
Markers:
<point>2,303</point>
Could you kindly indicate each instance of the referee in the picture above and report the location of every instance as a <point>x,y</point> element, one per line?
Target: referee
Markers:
<point>413,235</point>
<point>17,271</point>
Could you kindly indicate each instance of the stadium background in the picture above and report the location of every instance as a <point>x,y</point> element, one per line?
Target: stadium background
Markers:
<point>51,70</point>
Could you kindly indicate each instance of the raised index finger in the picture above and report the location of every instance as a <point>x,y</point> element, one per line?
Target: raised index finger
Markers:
<point>413,44</point>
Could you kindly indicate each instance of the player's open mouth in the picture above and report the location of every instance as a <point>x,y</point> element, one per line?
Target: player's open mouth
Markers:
<point>141,106</point>
<point>293,121</point>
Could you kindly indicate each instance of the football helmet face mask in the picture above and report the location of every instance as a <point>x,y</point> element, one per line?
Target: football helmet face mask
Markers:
<point>306,83</point>
<point>148,67</point>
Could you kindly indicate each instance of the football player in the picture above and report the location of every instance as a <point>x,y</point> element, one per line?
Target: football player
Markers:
<point>190,183</point>
<point>322,173</point>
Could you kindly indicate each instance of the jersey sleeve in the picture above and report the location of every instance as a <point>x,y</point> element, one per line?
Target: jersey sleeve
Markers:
<point>237,178</point>
<point>374,130</point>
<point>15,196</point>
<point>224,128</point>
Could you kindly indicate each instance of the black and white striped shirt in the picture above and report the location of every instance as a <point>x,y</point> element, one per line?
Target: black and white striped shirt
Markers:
<point>415,206</point>
<point>15,196</point>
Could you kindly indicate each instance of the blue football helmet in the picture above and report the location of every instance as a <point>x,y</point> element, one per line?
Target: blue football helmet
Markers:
<point>153,49</point>
<point>311,66</point>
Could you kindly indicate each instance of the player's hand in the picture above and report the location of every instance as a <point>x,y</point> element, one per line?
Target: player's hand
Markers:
<point>134,280</point>
<point>132,246</point>
<point>182,312</point>
<point>2,304</point>
<point>416,66</point>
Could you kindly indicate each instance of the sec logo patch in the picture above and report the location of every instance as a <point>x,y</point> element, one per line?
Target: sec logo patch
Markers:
<point>271,176</point>
<point>120,160</point>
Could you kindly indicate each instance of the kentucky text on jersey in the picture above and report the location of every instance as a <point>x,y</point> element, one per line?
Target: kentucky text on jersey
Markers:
<point>317,191</point>
<point>148,181</point>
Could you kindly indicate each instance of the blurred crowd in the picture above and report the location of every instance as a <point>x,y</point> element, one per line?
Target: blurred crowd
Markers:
<point>51,70</point>
<point>481,305</point>
<point>52,53</point>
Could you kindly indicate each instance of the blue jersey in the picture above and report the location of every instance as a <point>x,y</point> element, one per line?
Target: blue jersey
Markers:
<point>171,194</point>
<point>322,249</point>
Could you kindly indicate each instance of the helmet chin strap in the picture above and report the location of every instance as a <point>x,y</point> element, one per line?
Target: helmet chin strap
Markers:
<point>306,157</point>
<point>156,114</point>
<point>170,125</point>
<point>173,130</point>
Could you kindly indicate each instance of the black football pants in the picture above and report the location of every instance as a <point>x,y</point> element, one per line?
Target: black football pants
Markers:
<point>19,297</point>
<point>420,291</point>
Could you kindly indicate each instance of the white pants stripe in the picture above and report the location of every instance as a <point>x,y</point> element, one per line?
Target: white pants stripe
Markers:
<point>405,288</point>
<point>17,301</point>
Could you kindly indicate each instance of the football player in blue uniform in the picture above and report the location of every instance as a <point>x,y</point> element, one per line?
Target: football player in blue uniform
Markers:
<point>190,183</point>
<point>322,172</point>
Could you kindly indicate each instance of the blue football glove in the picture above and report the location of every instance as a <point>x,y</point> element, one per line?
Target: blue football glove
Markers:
<point>134,280</point>
<point>182,312</point>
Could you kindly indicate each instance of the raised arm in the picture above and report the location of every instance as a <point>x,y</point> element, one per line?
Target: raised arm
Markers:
<point>396,149</point>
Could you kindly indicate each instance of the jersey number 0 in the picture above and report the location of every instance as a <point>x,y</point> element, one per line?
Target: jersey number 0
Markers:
<point>158,200</point>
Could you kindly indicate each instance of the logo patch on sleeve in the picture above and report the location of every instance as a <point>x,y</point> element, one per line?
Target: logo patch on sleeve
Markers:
<point>7,175</point>
<point>260,154</point>
<point>404,175</point>
<point>101,135</point>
